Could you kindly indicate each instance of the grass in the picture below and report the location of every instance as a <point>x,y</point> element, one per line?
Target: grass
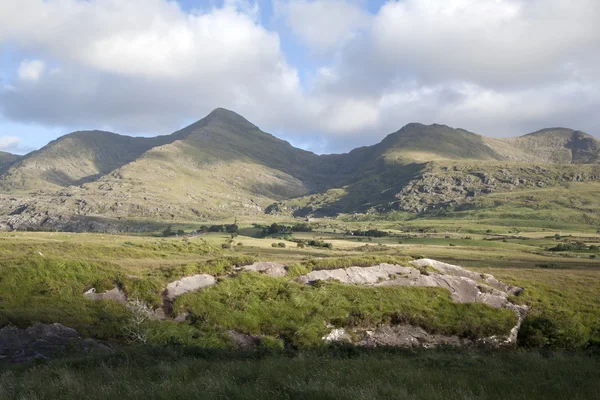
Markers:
<point>299,314</point>
<point>43,276</point>
<point>171,373</point>
<point>565,306</point>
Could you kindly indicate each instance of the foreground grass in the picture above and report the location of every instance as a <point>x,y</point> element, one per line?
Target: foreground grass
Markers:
<point>341,374</point>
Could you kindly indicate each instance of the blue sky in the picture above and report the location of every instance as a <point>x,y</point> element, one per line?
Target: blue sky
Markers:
<point>327,75</point>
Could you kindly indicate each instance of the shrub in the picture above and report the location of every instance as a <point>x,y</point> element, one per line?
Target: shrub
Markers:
<point>302,227</point>
<point>233,228</point>
<point>555,329</point>
<point>569,246</point>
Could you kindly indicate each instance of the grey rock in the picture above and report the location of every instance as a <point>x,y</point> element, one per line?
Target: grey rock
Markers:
<point>465,287</point>
<point>337,335</point>
<point>188,284</point>
<point>114,294</point>
<point>243,341</point>
<point>406,336</point>
<point>44,341</point>
<point>267,268</point>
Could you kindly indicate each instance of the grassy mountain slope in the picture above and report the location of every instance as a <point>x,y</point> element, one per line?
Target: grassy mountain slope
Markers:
<point>74,159</point>
<point>223,165</point>
<point>218,166</point>
<point>550,146</point>
<point>424,143</point>
<point>431,168</point>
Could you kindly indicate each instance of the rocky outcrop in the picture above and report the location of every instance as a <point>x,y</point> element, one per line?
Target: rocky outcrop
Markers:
<point>267,268</point>
<point>44,341</point>
<point>445,186</point>
<point>465,287</point>
<point>188,284</point>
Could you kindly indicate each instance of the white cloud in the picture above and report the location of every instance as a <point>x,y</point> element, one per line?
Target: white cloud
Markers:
<point>31,70</point>
<point>152,38</point>
<point>9,142</point>
<point>324,24</point>
<point>500,67</point>
<point>499,42</point>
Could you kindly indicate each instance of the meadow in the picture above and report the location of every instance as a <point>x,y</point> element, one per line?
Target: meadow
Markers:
<point>44,274</point>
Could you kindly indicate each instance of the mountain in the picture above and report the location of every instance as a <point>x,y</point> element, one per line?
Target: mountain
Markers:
<point>74,159</point>
<point>549,146</point>
<point>224,165</point>
<point>7,159</point>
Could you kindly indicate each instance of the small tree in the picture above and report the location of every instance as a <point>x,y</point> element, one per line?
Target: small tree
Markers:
<point>135,329</point>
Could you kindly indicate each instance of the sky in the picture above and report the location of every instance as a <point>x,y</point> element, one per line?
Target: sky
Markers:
<point>326,75</point>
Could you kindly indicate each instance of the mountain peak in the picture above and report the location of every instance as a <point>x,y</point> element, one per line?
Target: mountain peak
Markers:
<point>416,141</point>
<point>225,115</point>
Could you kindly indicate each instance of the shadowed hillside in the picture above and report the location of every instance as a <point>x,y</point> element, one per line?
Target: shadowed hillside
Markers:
<point>6,159</point>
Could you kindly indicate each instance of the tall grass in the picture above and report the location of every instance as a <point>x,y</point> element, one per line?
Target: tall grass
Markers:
<point>171,373</point>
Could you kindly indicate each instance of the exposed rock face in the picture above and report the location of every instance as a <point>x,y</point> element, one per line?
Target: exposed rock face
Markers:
<point>464,285</point>
<point>115,294</point>
<point>267,268</point>
<point>188,284</point>
<point>445,186</point>
<point>42,341</point>
<point>455,270</point>
<point>358,275</point>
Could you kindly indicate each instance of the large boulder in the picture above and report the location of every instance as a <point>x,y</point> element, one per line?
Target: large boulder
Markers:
<point>43,341</point>
<point>267,268</point>
<point>188,284</point>
<point>464,286</point>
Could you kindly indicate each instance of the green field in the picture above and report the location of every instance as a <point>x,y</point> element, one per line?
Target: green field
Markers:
<point>43,277</point>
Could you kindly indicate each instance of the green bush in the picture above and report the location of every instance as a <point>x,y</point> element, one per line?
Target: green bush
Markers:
<point>553,329</point>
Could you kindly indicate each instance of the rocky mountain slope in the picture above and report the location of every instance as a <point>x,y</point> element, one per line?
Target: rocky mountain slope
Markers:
<point>224,165</point>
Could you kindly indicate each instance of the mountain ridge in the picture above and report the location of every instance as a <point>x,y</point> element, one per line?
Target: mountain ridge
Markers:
<point>225,165</point>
